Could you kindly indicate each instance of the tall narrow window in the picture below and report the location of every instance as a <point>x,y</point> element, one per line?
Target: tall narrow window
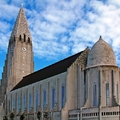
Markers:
<point>18,103</point>
<point>36,100</point>
<point>20,38</point>
<point>44,99</point>
<point>24,37</point>
<point>86,85</point>
<point>107,94</point>
<point>117,93</point>
<point>53,98</point>
<point>30,101</point>
<point>9,105</point>
<point>24,101</point>
<point>63,96</point>
<point>94,95</point>
<point>13,103</point>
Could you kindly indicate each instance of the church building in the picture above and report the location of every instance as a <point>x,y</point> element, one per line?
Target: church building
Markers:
<point>84,86</point>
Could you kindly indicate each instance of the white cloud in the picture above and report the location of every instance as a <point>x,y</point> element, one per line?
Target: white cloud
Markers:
<point>65,26</point>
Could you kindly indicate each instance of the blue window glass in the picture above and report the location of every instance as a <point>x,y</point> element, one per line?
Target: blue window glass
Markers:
<point>63,97</point>
<point>107,94</point>
<point>94,95</point>
<point>18,103</point>
<point>36,100</point>
<point>24,101</point>
<point>53,98</point>
<point>30,101</point>
<point>9,105</point>
<point>44,99</point>
<point>13,103</point>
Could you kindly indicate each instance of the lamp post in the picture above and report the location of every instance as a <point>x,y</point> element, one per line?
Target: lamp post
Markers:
<point>81,112</point>
<point>78,116</point>
<point>119,112</point>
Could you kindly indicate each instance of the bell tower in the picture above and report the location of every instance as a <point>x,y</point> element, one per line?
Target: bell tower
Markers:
<point>19,58</point>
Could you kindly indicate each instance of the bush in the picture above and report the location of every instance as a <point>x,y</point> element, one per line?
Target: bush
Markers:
<point>22,117</point>
<point>39,115</point>
<point>5,118</point>
<point>12,115</point>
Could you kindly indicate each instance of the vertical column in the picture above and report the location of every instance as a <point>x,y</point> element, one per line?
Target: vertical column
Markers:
<point>114,102</point>
<point>112,86</point>
<point>78,86</point>
<point>81,88</point>
<point>21,100</point>
<point>100,93</point>
<point>57,93</point>
<point>40,98</point>
<point>27,104</point>
<point>11,103</point>
<point>48,94</point>
<point>33,103</point>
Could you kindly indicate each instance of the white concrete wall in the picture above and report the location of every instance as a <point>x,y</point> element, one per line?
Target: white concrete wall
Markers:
<point>48,84</point>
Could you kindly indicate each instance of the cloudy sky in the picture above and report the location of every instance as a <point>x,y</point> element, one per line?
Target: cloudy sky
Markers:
<point>61,28</point>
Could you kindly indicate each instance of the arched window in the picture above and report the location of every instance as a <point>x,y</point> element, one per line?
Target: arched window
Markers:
<point>107,94</point>
<point>30,101</point>
<point>24,37</point>
<point>28,40</point>
<point>62,96</point>
<point>20,38</point>
<point>94,95</point>
<point>36,100</point>
<point>53,98</point>
<point>44,99</point>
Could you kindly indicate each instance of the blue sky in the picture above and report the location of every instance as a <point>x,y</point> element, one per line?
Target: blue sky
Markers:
<point>61,28</point>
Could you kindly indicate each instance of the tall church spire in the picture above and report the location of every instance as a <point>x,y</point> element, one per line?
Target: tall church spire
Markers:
<point>21,29</point>
<point>19,61</point>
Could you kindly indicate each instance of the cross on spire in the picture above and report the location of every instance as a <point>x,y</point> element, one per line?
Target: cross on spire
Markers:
<point>22,5</point>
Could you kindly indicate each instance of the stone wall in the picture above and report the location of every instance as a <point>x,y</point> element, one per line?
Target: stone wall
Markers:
<point>1,112</point>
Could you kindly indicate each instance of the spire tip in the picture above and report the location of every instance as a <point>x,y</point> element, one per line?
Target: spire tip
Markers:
<point>22,5</point>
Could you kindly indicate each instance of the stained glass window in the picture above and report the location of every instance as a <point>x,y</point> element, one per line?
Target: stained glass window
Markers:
<point>36,100</point>
<point>53,98</point>
<point>18,103</point>
<point>24,101</point>
<point>107,93</point>
<point>44,99</point>
<point>30,101</point>
<point>94,95</point>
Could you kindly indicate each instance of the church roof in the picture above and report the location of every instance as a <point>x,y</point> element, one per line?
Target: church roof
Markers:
<point>47,72</point>
<point>101,54</point>
<point>21,25</point>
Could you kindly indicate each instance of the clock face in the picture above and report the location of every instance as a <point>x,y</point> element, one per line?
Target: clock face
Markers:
<point>23,49</point>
